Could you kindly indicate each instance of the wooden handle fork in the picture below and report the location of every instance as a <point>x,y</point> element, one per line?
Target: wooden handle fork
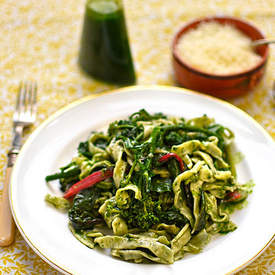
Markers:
<point>24,116</point>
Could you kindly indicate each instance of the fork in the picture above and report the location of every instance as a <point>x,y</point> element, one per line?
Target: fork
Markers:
<point>24,116</point>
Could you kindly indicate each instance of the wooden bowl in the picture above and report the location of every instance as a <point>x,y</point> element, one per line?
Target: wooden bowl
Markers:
<point>224,86</point>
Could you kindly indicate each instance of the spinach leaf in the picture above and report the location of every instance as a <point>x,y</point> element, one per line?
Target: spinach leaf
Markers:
<point>83,148</point>
<point>173,216</point>
<point>173,138</point>
<point>161,185</point>
<point>83,213</point>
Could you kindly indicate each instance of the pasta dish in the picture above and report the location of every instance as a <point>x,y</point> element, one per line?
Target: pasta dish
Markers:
<point>153,188</point>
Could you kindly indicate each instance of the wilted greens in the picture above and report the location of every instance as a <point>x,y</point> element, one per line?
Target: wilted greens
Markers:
<point>172,185</point>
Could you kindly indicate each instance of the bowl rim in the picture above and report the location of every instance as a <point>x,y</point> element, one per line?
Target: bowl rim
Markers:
<point>189,67</point>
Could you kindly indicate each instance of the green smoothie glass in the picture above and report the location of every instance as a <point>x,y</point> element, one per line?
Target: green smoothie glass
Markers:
<point>104,52</point>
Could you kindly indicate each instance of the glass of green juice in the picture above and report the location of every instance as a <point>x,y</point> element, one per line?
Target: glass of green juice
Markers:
<point>104,51</point>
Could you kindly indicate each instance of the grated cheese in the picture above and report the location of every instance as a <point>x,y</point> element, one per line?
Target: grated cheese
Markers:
<point>217,49</point>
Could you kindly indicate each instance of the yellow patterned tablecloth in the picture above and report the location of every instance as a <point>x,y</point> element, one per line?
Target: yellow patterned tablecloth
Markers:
<point>40,40</point>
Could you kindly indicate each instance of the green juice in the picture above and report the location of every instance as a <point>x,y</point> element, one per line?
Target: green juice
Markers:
<point>105,53</point>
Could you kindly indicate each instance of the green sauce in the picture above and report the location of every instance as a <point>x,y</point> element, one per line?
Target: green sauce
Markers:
<point>105,53</point>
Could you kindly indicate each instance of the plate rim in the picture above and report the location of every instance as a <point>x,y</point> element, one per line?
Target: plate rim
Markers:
<point>79,101</point>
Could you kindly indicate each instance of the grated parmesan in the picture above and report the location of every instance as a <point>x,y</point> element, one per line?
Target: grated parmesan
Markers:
<point>217,49</point>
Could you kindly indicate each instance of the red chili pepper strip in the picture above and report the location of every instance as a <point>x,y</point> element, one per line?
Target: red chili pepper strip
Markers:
<point>88,182</point>
<point>234,196</point>
<point>173,155</point>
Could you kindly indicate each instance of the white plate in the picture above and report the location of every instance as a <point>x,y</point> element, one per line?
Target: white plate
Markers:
<point>55,141</point>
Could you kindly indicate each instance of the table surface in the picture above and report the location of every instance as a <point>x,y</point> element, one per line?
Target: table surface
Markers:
<point>40,40</point>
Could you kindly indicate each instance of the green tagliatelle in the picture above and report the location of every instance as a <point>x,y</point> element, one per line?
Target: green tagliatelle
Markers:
<point>172,186</point>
